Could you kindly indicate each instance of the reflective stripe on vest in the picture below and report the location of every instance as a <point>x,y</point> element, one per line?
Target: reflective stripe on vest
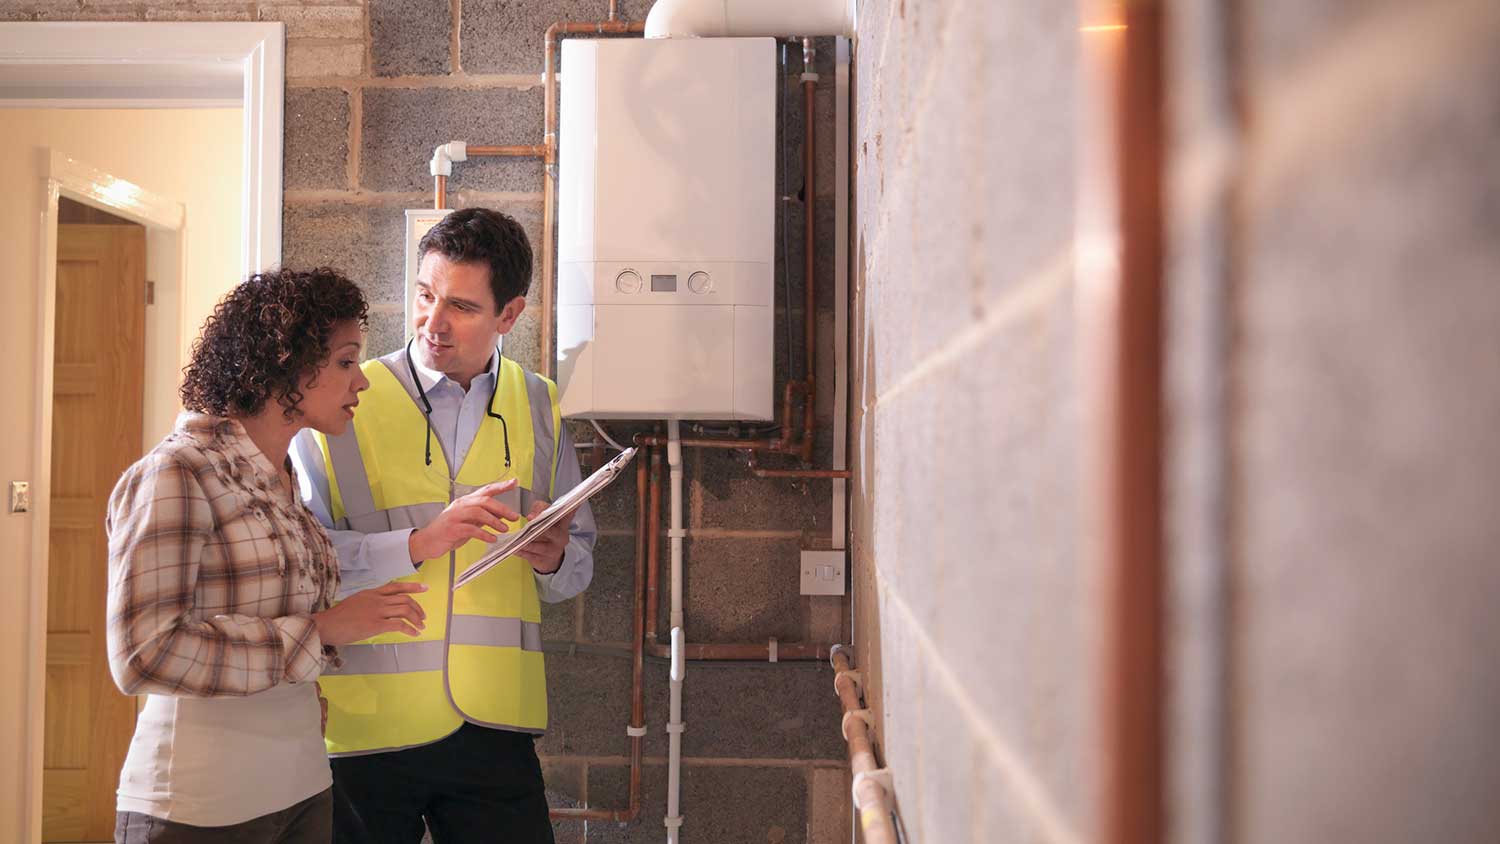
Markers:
<point>395,657</point>
<point>479,657</point>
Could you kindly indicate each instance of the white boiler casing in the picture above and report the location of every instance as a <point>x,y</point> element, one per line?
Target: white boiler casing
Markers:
<point>666,239</point>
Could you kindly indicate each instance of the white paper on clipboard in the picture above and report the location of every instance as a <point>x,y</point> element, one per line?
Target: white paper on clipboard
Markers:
<point>509,544</point>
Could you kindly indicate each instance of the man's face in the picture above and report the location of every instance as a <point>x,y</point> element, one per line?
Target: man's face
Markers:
<point>455,318</point>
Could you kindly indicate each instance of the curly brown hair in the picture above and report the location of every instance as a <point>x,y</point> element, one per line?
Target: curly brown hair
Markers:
<point>264,337</point>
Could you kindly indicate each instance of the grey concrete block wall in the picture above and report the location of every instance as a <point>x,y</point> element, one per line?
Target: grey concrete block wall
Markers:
<point>316,140</point>
<point>977,629</point>
<point>401,126</point>
<point>505,36</point>
<point>410,37</point>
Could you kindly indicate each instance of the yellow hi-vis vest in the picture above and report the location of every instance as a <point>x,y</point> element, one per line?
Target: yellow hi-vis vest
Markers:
<point>479,659</point>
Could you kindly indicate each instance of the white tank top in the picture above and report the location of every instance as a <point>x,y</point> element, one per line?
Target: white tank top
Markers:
<point>223,761</point>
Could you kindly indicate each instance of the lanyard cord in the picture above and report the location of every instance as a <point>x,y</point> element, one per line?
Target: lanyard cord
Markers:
<point>427,406</point>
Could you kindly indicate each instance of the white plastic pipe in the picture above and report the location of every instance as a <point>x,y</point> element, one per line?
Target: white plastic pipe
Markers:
<point>674,463</point>
<point>444,156</point>
<point>673,820</point>
<point>749,18</point>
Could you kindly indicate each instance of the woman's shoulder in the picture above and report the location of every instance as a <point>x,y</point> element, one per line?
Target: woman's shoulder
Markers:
<point>191,447</point>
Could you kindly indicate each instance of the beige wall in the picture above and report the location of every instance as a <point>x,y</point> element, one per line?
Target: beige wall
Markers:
<point>189,155</point>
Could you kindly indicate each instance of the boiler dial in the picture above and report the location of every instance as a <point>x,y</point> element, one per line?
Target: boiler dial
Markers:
<point>700,282</point>
<point>628,281</point>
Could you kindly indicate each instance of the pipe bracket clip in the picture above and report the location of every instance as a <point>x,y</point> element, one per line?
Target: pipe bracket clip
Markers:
<point>672,823</point>
<point>810,77</point>
<point>674,533</point>
<point>677,728</point>
<point>771,649</point>
<point>635,732</point>
<point>855,677</point>
<point>861,714</point>
<point>880,776</point>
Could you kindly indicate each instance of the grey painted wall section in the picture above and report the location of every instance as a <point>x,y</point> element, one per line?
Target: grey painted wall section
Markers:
<point>1365,462</point>
<point>977,626</point>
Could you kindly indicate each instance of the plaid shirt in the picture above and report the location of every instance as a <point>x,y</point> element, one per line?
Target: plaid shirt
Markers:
<point>215,570</point>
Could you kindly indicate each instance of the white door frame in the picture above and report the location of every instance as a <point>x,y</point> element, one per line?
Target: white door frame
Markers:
<point>258,50</point>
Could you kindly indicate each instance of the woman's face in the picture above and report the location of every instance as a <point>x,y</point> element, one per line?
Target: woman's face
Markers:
<point>331,392</point>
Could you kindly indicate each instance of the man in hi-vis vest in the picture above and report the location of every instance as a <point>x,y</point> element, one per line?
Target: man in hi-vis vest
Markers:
<point>451,442</point>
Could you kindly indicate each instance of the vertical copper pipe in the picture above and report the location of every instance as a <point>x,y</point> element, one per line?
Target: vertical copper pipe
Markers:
<point>638,686</point>
<point>653,549</point>
<point>875,815</point>
<point>440,192</point>
<point>809,258</point>
<point>1120,299</point>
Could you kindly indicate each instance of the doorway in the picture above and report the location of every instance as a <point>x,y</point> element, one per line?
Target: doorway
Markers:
<point>98,394</point>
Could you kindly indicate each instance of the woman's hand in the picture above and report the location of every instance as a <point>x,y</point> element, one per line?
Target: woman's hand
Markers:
<point>384,609</point>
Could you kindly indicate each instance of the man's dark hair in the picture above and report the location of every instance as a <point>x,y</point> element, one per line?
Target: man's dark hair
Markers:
<point>484,235</point>
<point>264,337</point>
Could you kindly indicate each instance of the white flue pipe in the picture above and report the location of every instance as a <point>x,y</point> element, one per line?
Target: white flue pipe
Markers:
<point>749,18</point>
<point>673,820</point>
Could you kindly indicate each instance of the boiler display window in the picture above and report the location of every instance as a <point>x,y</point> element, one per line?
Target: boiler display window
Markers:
<point>663,283</point>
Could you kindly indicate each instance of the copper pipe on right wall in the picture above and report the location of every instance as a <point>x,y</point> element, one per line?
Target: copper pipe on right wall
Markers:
<point>809,247</point>
<point>875,822</point>
<point>1120,298</point>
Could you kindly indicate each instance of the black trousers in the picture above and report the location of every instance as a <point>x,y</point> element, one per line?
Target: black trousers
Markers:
<point>477,785</point>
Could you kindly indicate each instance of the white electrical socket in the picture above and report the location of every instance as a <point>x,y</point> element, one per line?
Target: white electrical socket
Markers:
<point>823,572</point>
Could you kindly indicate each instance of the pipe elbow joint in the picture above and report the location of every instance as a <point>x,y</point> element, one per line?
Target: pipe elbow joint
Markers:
<point>444,156</point>
<point>684,19</point>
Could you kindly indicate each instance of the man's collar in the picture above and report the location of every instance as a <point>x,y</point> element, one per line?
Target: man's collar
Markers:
<point>431,377</point>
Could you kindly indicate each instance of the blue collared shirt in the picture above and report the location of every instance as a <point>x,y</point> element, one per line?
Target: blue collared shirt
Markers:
<point>367,560</point>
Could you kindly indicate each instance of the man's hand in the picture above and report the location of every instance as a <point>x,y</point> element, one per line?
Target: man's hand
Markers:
<point>545,553</point>
<point>461,521</point>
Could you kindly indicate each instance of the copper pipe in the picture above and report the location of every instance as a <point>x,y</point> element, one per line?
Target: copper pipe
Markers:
<point>650,526</point>
<point>741,652</point>
<point>747,445</point>
<point>612,13</point>
<point>653,545</point>
<point>518,150</point>
<point>875,812</point>
<point>1121,318</point>
<point>550,41</point>
<point>809,267</point>
<point>440,192</point>
<point>795,473</point>
<point>638,685</point>
<point>620,815</point>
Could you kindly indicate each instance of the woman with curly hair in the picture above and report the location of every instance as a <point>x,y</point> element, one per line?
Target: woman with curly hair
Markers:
<point>221,582</point>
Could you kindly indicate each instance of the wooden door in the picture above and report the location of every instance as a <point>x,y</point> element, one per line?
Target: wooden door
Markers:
<point>96,434</point>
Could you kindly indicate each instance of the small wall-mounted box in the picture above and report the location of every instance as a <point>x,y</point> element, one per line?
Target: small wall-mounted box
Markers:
<point>823,572</point>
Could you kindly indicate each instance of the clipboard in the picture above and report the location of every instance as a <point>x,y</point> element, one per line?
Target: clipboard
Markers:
<point>509,544</point>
